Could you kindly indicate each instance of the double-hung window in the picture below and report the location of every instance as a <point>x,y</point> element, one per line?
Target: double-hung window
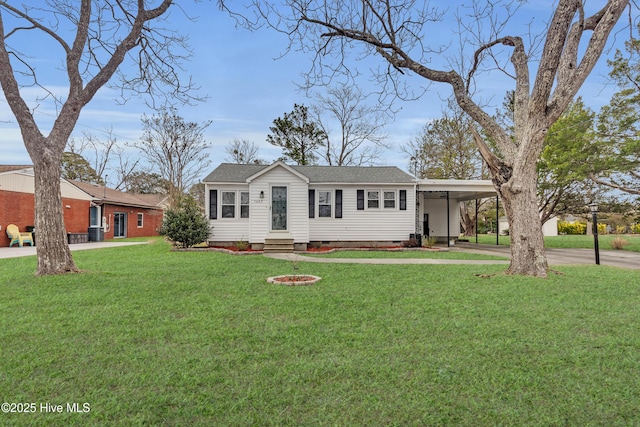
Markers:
<point>373,199</point>
<point>389,199</point>
<point>228,204</point>
<point>324,204</point>
<point>244,204</point>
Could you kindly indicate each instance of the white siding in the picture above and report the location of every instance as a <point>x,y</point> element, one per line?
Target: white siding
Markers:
<point>228,229</point>
<point>390,224</point>
<point>297,217</point>
<point>437,210</point>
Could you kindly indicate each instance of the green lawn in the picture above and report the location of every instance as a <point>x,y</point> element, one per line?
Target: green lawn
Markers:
<point>570,241</point>
<point>405,254</point>
<point>147,336</point>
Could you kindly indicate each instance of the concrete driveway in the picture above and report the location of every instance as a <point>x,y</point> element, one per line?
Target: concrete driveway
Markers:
<point>624,259</point>
<point>15,251</point>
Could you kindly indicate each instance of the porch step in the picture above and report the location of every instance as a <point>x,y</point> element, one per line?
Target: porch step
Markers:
<point>278,245</point>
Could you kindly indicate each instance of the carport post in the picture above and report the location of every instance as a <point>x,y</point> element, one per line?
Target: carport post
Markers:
<point>476,221</point>
<point>448,223</point>
<point>497,221</point>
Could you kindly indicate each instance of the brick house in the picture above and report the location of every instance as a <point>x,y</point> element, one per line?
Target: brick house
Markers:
<point>89,210</point>
<point>123,214</point>
<point>17,204</point>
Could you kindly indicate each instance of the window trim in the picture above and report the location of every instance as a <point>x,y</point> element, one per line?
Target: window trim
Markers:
<point>140,220</point>
<point>384,199</point>
<point>329,205</point>
<point>223,204</point>
<point>368,200</point>
<point>245,205</point>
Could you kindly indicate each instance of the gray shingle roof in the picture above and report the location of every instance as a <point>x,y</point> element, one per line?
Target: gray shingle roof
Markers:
<point>228,172</point>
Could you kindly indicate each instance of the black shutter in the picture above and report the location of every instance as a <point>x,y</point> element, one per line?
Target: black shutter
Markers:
<point>403,200</point>
<point>338,204</point>
<point>360,200</point>
<point>312,203</point>
<point>213,204</point>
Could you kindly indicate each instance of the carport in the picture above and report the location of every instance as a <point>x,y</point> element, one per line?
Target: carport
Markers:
<point>435,199</point>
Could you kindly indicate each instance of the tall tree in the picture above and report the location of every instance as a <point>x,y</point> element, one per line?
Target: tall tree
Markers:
<point>618,156</point>
<point>107,157</point>
<point>146,183</point>
<point>90,39</point>
<point>400,33</point>
<point>176,149</point>
<point>76,168</point>
<point>298,135</point>
<point>359,139</point>
<point>445,149</point>
<point>243,151</point>
<point>564,166</point>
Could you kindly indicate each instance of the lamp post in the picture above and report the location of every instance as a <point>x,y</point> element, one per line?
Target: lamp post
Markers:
<point>594,213</point>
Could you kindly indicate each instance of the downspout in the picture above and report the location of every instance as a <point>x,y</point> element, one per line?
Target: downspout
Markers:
<point>417,209</point>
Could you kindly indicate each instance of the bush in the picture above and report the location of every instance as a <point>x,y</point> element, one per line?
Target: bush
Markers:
<point>565,227</point>
<point>635,228</point>
<point>619,243</point>
<point>184,224</point>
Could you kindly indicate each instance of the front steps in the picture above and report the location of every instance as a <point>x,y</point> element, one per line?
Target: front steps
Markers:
<point>278,246</point>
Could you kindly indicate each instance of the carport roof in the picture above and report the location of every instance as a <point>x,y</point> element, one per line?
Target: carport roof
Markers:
<point>459,189</point>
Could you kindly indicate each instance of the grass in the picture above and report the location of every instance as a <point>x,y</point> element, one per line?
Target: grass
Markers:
<point>570,241</point>
<point>147,336</point>
<point>406,254</point>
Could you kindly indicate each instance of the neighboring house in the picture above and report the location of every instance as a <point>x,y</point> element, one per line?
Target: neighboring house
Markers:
<point>549,228</point>
<point>121,214</point>
<point>279,205</point>
<point>91,212</point>
<point>17,205</point>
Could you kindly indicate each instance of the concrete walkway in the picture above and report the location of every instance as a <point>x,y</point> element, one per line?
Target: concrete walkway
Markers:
<point>623,259</point>
<point>15,251</point>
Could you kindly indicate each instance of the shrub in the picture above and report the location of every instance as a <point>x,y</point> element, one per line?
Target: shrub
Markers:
<point>184,224</point>
<point>619,243</point>
<point>602,228</point>
<point>429,241</point>
<point>565,227</point>
<point>635,228</point>
<point>242,245</point>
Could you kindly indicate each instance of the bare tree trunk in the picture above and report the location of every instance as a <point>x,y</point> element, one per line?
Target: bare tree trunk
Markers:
<point>468,221</point>
<point>54,255</point>
<point>520,203</point>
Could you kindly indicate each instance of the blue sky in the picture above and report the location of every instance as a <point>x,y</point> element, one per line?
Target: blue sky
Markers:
<point>248,87</point>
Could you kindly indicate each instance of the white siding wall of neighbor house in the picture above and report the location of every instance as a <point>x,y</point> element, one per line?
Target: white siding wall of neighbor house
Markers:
<point>228,229</point>
<point>381,224</point>
<point>297,217</point>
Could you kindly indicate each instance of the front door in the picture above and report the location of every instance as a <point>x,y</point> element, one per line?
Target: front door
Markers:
<point>120,224</point>
<point>278,208</point>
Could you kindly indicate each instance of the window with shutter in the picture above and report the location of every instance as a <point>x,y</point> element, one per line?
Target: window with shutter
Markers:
<point>338,213</point>
<point>360,200</point>
<point>213,204</point>
<point>312,203</point>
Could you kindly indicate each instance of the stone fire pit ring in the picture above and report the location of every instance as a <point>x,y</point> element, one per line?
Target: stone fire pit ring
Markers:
<point>294,279</point>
